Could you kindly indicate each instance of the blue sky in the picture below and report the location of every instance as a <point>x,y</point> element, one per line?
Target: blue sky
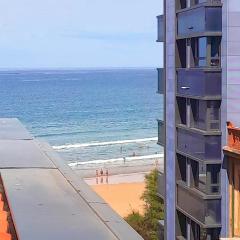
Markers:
<point>79,33</point>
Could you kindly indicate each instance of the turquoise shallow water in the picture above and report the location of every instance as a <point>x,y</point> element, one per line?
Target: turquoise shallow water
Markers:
<point>75,107</point>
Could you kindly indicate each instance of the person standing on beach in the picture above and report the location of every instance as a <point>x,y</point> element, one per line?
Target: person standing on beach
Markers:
<point>96,176</point>
<point>107,176</point>
<point>101,173</point>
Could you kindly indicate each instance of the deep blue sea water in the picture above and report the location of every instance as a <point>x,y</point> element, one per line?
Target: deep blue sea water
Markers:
<point>85,106</point>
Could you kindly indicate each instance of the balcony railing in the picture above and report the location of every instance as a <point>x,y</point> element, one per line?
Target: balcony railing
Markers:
<point>161,185</point>
<point>161,81</point>
<point>205,211</point>
<point>161,133</point>
<point>161,29</point>
<point>199,83</point>
<point>202,147</point>
<point>201,21</point>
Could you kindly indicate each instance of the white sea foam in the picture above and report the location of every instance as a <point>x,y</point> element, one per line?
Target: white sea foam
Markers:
<point>127,159</point>
<point>95,144</point>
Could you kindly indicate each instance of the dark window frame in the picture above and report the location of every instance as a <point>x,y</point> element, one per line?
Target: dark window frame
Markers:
<point>199,114</point>
<point>212,59</point>
<point>207,178</point>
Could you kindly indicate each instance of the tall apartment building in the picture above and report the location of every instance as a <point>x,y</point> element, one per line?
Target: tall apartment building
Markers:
<point>201,87</point>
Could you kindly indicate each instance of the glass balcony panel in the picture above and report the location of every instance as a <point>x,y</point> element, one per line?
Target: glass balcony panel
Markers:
<point>191,21</point>
<point>161,81</point>
<point>212,147</point>
<point>213,19</point>
<point>205,148</point>
<point>161,29</point>
<point>213,213</point>
<point>198,83</point>
<point>207,211</point>
<point>161,133</point>
<point>199,21</point>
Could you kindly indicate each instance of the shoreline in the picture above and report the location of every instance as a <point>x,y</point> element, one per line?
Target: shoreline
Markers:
<point>124,178</point>
<point>118,170</point>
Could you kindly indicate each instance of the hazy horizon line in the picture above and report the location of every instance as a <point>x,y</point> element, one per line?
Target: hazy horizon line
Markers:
<point>75,68</point>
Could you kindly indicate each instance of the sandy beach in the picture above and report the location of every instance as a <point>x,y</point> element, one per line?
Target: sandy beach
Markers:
<point>122,192</point>
<point>123,187</point>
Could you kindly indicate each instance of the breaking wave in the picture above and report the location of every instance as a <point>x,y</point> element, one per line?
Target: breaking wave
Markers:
<point>113,160</point>
<point>95,144</point>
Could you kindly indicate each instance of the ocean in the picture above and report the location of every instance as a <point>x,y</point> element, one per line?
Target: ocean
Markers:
<point>102,116</point>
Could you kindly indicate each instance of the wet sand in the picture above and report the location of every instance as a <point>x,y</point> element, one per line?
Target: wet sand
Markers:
<point>120,169</point>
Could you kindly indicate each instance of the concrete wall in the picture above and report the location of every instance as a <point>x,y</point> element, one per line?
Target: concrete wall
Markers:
<point>170,122</point>
<point>233,62</point>
<point>230,86</point>
<point>231,51</point>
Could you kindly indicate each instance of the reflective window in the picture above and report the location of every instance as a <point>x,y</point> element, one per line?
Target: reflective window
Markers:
<point>202,52</point>
<point>182,110</point>
<point>181,168</point>
<point>181,4</point>
<point>215,43</point>
<point>205,114</point>
<point>200,1</point>
<point>207,179</point>
<point>199,118</point>
<point>213,115</point>
<point>206,51</point>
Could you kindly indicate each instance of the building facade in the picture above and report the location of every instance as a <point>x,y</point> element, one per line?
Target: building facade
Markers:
<point>232,156</point>
<point>201,87</point>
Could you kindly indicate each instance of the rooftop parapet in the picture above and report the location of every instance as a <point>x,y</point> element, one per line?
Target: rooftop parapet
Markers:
<point>233,136</point>
<point>233,147</point>
<point>46,199</point>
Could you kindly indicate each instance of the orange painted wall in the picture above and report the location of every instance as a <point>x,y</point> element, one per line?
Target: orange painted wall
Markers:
<point>233,137</point>
<point>233,174</point>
